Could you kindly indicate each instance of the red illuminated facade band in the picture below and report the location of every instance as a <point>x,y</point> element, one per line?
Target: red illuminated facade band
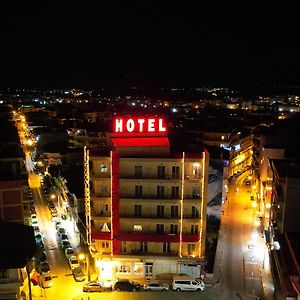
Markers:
<point>140,125</point>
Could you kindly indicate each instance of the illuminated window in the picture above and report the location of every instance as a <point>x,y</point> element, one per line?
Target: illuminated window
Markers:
<point>138,268</point>
<point>191,249</point>
<point>137,228</point>
<point>124,268</point>
<point>103,169</point>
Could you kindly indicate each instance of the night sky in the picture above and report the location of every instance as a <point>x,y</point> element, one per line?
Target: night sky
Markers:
<point>148,43</point>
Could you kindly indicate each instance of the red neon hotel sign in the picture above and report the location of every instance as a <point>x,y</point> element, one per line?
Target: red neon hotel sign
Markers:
<point>140,125</point>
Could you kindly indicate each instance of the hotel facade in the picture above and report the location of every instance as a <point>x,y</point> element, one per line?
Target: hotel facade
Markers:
<point>145,203</point>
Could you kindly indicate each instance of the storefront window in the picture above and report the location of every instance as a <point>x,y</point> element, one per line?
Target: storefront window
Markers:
<point>138,268</point>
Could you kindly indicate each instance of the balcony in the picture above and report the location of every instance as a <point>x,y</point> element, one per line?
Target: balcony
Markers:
<point>155,216</point>
<point>146,237</point>
<point>99,214</point>
<point>158,197</point>
<point>149,176</point>
<point>157,177</point>
<point>100,175</point>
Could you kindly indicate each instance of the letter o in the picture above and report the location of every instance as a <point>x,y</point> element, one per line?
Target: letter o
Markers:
<point>130,125</point>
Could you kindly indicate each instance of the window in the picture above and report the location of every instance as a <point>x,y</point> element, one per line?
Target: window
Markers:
<point>138,268</point>
<point>3,273</point>
<point>174,229</point>
<point>104,189</point>
<point>196,170</point>
<point>194,229</point>
<point>148,269</point>
<point>191,249</point>
<point>196,192</point>
<point>175,192</point>
<point>103,207</point>
<point>159,228</point>
<point>137,210</point>
<point>174,211</point>
<point>137,228</point>
<point>166,248</point>
<point>160,210</point>
<point>103,168</point>
<point>175,172</point>
<point>195,212</point>
<point>143,247</point>
<point>123,247</point>
<point>124,268</point>
<point>138,171</point>
<point>138,191</point>
<point>161,171</point>
<point>105,245</point>
<point>160,191</point>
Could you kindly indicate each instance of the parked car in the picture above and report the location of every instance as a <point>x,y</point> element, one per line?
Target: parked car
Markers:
<point>69,252</point>
<point>63,237</point>
<point>126,285</point>
<point>186,283</point>
<point>73,262</point>
<point>156,286</point>
<point>61,230</point>
<point>78,274</point>
<point>46,280</point>
<point>93,286</point>
<point>41,256</point>
<point>65,244</point>
<point>43,267</point>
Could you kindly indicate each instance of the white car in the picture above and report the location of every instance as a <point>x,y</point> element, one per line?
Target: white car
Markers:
<point>73,262</point>
<point>156,286</point>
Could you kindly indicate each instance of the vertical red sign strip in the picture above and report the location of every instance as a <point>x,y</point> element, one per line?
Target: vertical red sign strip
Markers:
<point>115,202</point>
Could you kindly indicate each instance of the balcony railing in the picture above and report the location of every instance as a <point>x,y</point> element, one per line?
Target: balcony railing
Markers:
<point>155,216</point>
<point>156,176</point>
<point>152,236</point>
<point>155,196</point>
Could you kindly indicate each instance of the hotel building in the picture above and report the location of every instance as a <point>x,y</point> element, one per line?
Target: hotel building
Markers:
<point>146,203</point>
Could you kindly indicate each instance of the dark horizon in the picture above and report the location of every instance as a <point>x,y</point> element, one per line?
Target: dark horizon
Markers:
<point>147,45</point>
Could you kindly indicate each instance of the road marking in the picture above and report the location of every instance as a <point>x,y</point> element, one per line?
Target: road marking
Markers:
<point>253,278</point>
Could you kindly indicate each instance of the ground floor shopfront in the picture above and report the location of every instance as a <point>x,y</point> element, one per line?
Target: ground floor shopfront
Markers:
<point>145,268</point>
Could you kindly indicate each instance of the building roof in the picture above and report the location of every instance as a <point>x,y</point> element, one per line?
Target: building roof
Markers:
<point>287,168</point>
<point>17,245</point>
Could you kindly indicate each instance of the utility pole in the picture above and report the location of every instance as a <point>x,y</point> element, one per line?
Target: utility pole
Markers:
<point>29,282</point>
